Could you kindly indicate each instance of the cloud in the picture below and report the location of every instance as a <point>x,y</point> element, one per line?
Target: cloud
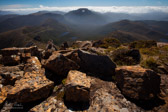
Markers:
<point>14,6</point>
<point>116,9</point>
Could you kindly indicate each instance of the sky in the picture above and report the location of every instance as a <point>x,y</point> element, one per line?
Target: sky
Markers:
<point>129,6</point>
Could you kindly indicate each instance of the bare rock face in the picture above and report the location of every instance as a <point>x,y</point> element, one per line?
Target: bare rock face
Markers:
<point>77,87</point>
<point>33,85</point>
<point>101,66</point>
<point>138,83</point>
<point>60,65</point>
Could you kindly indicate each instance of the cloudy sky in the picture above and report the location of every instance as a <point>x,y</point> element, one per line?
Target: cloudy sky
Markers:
<point>124,6</point>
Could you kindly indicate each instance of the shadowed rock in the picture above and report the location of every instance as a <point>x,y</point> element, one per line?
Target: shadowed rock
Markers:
<point>101,66</point>
<point>60,65</point>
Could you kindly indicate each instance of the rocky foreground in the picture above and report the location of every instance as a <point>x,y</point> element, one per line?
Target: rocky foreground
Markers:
<point>79,79</point>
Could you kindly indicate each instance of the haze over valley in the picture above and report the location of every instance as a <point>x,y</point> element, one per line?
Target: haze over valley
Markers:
<point>81,24</point>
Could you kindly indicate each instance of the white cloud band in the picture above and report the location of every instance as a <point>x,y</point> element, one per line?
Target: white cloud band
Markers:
<point>116,9</point>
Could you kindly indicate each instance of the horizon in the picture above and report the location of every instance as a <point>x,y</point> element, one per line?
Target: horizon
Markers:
<point>120,6</point>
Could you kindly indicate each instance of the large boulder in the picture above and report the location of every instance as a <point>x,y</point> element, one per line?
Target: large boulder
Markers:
<point>77,87</point>
<point>60,65</point>
<point>138,83</point>
<point>125,56</point>
<point>106,97</point>
<point>32,85</point>
<point>101,66</point>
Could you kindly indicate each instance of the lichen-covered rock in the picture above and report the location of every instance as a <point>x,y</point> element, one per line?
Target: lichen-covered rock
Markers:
<point>77,87</point>
<point>33,85</point>
<point>106,97</point>
<point>60,65</point>
<point>3,93</point>
<point>138,83</point>
<point>10,78</point>
<point>33,64</point>
<point>52,103</point>
<point>14,56</point>
<point>9,74</point>
<point>126,56</point>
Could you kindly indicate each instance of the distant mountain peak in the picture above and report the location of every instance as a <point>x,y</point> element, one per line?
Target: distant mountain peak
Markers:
<point>81,12</point>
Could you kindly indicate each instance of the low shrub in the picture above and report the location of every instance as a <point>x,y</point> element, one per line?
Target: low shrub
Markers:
<point>107,42</point>
<point>150,63</point>
<point>143,44</point>
<point>154,51</point>
<point>126,56</point>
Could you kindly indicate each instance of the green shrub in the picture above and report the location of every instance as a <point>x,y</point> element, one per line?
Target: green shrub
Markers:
<point>110,49</point>
<point>125,56</point>
<point>112,42</point>
<point>63,81</point>
<point>154,51</point>
<point>143,44</point>
<point>60,95</point>
<point>55,89</point>
<point>107,42</point>
<point>150,63</point>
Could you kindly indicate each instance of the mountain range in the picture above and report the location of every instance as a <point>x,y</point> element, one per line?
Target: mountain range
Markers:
<point>81,24</point>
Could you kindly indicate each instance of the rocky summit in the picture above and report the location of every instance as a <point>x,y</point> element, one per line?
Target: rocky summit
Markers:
<point>84,76</point>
